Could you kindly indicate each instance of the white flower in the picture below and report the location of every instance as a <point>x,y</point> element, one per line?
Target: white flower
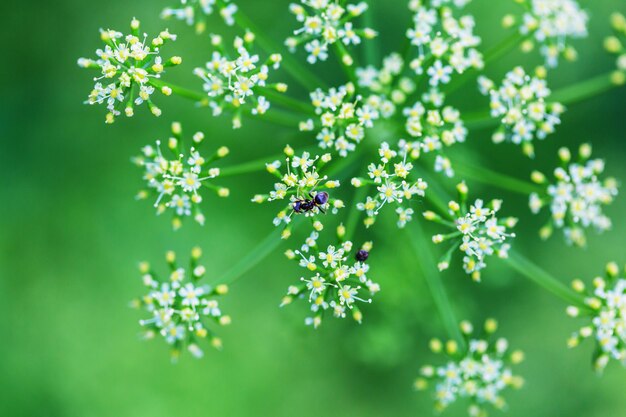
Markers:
<point>173,306</point>
<point>175,181</point>
<point>326,23</point>
<point>577,196</point>
<point>195,11</point>
<point>307,192</point>
<point>479,374</point>
<point>343,118</point>
<point>606,305</point>
<point>451,41</point>
<point>127,66</point>
<point>520,104</point>
<point>337,284</point>
<point>393,181</point>
<point>477,232</point>
<point>552,23</point>
<point>238,81</point>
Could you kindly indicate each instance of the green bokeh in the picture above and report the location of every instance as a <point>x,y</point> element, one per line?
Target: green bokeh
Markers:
<point>71,236</point>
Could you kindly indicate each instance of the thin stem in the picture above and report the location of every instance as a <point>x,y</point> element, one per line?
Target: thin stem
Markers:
<point>262,250</point>
<point>355,214</point>
<point>503,47</point>
<point>273,115</point>
<point>286,101</point>
<point>435,194</point>
<point>372,46</point>
<point>544,279</point>
<point>179,91</point>
<point>426,265</point>
<point>583,90</point>
<point>340,52</point>
<point>278,117</point>
<point>489,177</point>
<point>252,166</point>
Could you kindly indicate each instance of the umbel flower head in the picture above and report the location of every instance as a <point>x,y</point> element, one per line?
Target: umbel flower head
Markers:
<point>576,197</point>
<point>394,182</point>
<point>388,86</point>
<point>520,104</point>
<point>476,231</point>
<point>238,82</point>
<point>615,45</point>
<point>175,182</point>
<point>445,45</point>
<point>437,128</point>
<point>194,12</point>
<point>343,118</point>
<point>307,192</point>
<point>127,66</point>
<point>324,23</point>
<point>552,24</point>
<point>337,279</point>
<point>480,372</point>
<point>606,310</point>
<point>181,309</point>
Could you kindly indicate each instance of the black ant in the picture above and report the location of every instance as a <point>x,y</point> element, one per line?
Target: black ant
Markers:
<point>308,204</point>
<point>362,255</point>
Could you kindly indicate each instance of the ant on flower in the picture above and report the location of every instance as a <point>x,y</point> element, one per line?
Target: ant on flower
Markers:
<point>308,204</point>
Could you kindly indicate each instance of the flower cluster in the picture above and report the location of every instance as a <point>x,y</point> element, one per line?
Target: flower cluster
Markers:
<point>615,45</point>
<point>520,105</point>
<point>343,118</point>
<point>607,304</point>
<point>445,44</point>
<point>477,232</point>
<point>436,128</point>
<point>480,372</point>
<point>180,308</point>
<point>175,181</point>
<point>327,22</point>
<point>577,196</point>
<point>233,83</point>
<point>128,64</point>
<point>194,12</point>
<point>551,23</point>
<point>394,185</point>
<point>301,185</point>
<point>388,86</point>
<point>337,284</point>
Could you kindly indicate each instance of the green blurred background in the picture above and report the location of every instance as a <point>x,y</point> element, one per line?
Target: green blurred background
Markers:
<point>71,235</point>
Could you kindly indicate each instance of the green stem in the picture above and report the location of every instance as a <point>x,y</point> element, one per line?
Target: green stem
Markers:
<point>583,90</point>
<point>503,47</point>
<point>178,90</point>
<point>262,250</point>
<point>489,177</point>
<point>340,52</point>
<point>372,46</point>
<point>544,279</point>
<point>279,117</point>
<point>355,214</point>
<point>426,265</point>
<point>435,194</point>
<point>286,101</point>
<point>253,166</point>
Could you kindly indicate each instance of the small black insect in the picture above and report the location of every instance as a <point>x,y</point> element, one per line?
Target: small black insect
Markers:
<point>362,255</point>
<point>305,205</point>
